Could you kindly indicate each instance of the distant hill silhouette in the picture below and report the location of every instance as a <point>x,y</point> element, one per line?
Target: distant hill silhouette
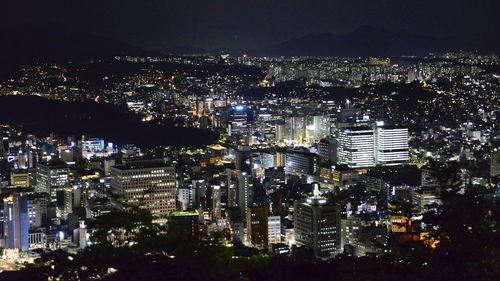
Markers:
<point>53,42</point>
<point>41,117</point>
<point>368,41</point>
<point>186,50</point>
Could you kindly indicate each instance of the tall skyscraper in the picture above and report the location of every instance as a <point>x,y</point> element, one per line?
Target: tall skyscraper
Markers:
<point>391,146</point>
<point>355,147</point>
<point>240,190</point>
<point>317,225</point>
<point>148,184</point>
<point>16,222</point>
<point>51,177</point>
<point>238,119</point>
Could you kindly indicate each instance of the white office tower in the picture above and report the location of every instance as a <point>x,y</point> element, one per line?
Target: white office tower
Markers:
<point>355,147</point>
<point>391,146</point>
<point>148,184</point>
<point>274,229</point>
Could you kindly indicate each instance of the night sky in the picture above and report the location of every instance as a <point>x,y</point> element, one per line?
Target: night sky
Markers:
<point>158,25</point>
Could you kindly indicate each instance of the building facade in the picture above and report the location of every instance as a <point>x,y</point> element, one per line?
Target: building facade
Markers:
<point>391,146</point>
<point>355,147</point>
<point>317,226</point>
<point>148,184</point>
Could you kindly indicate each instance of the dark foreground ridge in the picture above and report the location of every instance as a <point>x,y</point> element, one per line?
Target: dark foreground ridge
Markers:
<point>41,117</point>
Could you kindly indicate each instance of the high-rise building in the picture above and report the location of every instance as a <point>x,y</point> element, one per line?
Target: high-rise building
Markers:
<point>317,225</point>
<point>16,222</point>
<point>198,193</point>
<point>327,149</point>
<point>51,177</point>
<point>350,228</point>
<point>148,184</point>
<point>301,163</point>
<point>274,229</point>
<point>238,119</point>
<point>391,146</point>
<point>321,125</point>
<point>217,204</point>
<point>355,147</point>
<point>257,227</point>
<point>268,160</point>
<point>240,190</point>
<point>64,202</point>
<point>37,209</point>
<point>184,196</point>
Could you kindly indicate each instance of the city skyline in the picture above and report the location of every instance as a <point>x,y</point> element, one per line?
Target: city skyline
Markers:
<point>249,140</point>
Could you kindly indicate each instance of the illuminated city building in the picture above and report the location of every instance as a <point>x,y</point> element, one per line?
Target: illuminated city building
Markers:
<point>91,147</point>
<point>391,146</point>
<point>423,201</point>
<point>238,119</point>
<point>355,147</point>
<point>301,163</point>
<point>51,177</point>
<point>240,190</point>
<point>317,225</point>
<point>16,222</point>
<point>218,207</point>
<point>350,228</point>
<point>184,195</point>
<point>148,184</point>
<point>20,179</point>
<point>327,149</point>
<point>343,177</point>
<point>274,229</point>
<point>257,227</point>
<point>37,209</point>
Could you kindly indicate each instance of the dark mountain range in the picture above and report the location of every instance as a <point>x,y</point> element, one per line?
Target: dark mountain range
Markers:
<point>186,50</point>
<point>53,43</point>
<point>368,41</point>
